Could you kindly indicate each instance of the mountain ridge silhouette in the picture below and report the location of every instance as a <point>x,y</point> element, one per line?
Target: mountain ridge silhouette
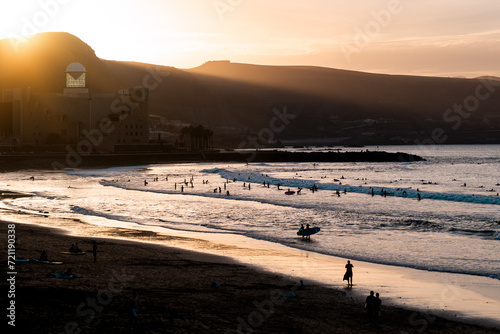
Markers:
<point>239,101</point>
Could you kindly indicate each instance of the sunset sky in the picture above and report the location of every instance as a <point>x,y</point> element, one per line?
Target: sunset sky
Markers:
<point>417,37</point>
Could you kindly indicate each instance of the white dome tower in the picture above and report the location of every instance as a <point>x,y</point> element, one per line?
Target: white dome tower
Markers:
<point>76,80</point>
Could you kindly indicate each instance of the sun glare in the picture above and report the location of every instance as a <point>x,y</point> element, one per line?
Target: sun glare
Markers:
<point>190,32</point>
<point>13,19</point>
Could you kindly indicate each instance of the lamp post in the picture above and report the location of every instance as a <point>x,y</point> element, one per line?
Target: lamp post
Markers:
<point>90,112</point>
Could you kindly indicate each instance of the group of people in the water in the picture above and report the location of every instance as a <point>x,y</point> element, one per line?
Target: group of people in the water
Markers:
<point>314,188</point>
<point>247,185</point>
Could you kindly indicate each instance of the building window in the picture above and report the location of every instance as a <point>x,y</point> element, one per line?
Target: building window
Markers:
<point>75,79</point>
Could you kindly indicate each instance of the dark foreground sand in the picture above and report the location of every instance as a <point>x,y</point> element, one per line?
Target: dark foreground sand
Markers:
<point>176,296</point>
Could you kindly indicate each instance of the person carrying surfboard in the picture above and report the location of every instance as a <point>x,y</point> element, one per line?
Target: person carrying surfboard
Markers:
<point>300,230</point>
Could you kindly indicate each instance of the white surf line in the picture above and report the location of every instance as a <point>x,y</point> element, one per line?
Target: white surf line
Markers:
<point>466,298</point>
<point>366,189</point>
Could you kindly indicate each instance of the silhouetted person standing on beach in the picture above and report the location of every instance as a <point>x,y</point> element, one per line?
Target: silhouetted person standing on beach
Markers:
<point>377,303</point>
<point>348,273</point>
<point>44,256</point>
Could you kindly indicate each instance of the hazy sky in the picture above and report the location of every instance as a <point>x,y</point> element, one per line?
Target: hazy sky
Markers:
<point>419,37</point>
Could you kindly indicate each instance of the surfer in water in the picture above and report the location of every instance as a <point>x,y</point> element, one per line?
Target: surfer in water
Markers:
<point>348,273</point>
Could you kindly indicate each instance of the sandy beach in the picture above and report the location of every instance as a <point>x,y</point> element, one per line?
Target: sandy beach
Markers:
<point>175,288</point>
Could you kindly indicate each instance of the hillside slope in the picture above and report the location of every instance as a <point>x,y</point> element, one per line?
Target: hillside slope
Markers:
<point>240,100</point>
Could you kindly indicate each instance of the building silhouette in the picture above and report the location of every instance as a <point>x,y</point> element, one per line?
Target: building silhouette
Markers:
<point>47,122</point>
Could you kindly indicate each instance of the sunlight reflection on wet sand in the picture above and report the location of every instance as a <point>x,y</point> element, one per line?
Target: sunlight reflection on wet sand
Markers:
<point>473,299</point>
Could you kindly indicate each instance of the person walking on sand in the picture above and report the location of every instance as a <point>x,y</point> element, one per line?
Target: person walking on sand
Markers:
<point>348,273</point>
<point>94,250</point>
<point>370,304</point>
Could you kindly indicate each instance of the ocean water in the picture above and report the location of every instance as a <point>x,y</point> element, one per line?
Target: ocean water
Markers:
<point>453,227</point>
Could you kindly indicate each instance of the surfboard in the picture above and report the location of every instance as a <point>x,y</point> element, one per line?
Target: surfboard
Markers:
<point>46,262</point>
<point>289,192</point>
<point>306,232</point>
<point>72,253</point>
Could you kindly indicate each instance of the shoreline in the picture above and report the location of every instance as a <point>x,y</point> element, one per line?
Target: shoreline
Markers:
<point>414,319</point>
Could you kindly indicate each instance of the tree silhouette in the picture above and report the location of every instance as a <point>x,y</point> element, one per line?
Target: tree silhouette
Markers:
<point>195,138</point>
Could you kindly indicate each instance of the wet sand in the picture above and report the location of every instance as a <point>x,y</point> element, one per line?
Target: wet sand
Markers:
<point>174,287</point>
